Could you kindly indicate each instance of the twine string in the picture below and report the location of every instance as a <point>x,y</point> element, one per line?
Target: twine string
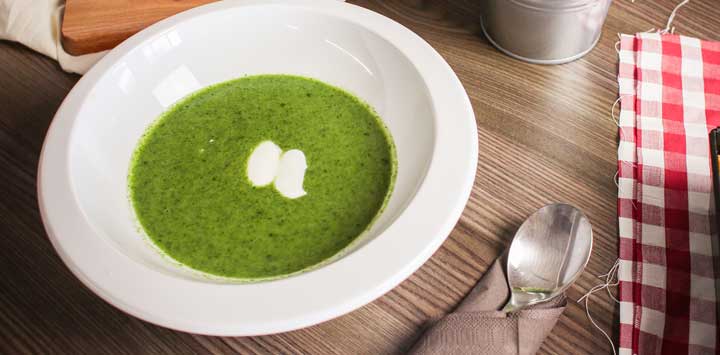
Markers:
<point>611,280</point>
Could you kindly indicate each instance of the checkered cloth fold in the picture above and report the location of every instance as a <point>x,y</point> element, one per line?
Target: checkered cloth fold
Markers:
<point>670,99</point>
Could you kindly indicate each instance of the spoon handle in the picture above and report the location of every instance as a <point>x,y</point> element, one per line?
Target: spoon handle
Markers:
<point>511,305</point>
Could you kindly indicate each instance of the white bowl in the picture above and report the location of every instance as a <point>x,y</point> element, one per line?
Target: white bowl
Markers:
<point>82,179</point>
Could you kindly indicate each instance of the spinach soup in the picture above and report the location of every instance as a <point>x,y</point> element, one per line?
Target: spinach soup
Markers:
<point>261,176</point>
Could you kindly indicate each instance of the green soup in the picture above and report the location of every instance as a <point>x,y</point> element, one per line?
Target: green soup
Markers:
<point>191,193</point>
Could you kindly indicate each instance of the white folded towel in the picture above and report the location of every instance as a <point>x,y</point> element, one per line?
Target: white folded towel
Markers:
<point>36,24</point>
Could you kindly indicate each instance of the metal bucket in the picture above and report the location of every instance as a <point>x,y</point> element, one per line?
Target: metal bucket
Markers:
<point>544,31</point>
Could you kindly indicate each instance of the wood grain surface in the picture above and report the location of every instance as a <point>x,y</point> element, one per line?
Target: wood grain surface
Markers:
<point>93,26</point>
<point>545,136</point>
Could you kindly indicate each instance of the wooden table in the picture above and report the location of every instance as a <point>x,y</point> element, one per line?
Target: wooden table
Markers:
<point>545,135</point>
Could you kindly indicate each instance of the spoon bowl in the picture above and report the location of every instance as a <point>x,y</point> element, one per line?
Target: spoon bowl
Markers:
<point>547,254</point>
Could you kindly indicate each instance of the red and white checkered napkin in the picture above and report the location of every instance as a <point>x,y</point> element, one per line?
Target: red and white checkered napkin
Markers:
<point>670,99</point>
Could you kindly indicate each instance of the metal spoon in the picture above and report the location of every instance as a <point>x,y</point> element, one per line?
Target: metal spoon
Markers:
<point>547,254</point>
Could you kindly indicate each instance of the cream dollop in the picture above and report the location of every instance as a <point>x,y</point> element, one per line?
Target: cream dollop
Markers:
<point>291,173</point>
<point>262,167</point>
<point>268,164</point>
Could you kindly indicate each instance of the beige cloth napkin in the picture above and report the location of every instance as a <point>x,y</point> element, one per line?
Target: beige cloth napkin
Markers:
<point>477,326</point>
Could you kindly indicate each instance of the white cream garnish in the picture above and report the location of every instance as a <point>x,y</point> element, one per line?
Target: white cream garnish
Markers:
<point>291,173</point>
<point>262,167</point>
<point>268,163</point>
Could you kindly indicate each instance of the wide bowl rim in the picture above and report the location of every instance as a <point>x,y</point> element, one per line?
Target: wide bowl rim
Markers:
<point>429,217</point>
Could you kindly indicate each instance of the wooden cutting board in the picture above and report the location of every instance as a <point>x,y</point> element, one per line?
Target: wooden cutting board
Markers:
<point>95,25</point>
